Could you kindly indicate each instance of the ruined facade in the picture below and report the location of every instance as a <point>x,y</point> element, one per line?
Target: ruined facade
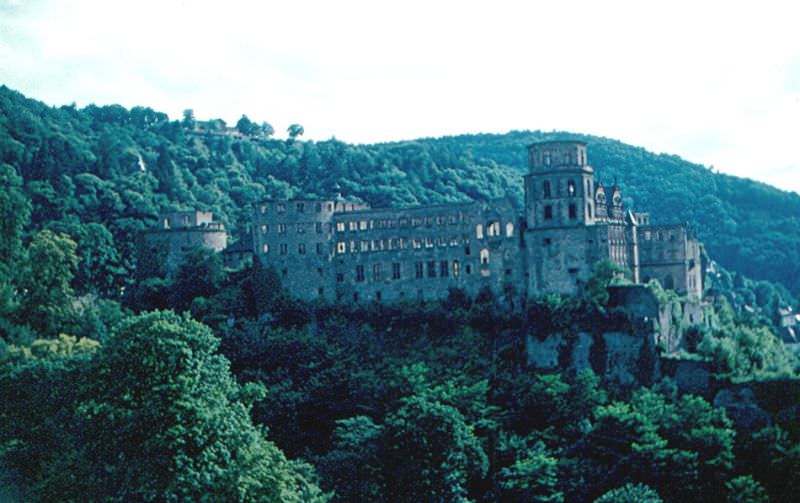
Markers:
<point>162,248</point>
<point>341,250</point>
<point>346,251</point>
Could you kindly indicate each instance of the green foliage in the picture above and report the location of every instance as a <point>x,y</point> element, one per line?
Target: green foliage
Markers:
<point>742,351</point>
<point>429,438</point>
<point>630,493</point>
<point>744,489</point>
<point>153,415</point>
<point>531,479</point>
<point>604,274</point>
<point>46,300</point>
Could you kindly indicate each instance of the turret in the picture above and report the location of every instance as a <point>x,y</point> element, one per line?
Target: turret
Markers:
<point>560,187</point>
<point>615,204</point>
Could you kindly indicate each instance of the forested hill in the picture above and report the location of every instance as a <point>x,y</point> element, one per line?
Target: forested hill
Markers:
<point>102,173</point>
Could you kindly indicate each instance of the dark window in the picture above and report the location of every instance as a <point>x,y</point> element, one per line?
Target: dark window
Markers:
<point>319,271</point>
<point>431,269</point>
<point>339,277</point>
<point>318,227</point>
<point>508,272</point>
<point>378,295</point>
<point>319,207</point>
<point>468,269</point>
<point>300,228</point>
<point>573,212</point>
<point>300,207</point>
<point>359,273</point>
<point>285,273</point>
<point>319,248</point>
<point>466,250</point>
<point>443,269</point>
<point>546,189</point>
<point>321,291</point>
<point>573,270</point>
<point>396,270</point>
<point>355,296</point>
<point>548,212</point>
<point>418,270</point>
<point>284,248</point>
<point>301,248</point>
<point>377,273</point>
<point>547,241</point>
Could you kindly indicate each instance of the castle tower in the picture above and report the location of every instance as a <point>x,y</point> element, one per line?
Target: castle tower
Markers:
<point>559,189</point>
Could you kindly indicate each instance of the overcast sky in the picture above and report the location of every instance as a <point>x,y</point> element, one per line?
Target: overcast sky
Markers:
<point>717,83</point>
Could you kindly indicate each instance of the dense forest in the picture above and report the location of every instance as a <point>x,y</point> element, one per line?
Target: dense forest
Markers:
<point>213,384</point>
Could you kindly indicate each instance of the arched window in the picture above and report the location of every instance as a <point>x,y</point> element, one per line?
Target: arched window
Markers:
<point>484,256</point>
<point>509,229</point>
<point>493,229</point>
<point>479,231</point>
<point>571,188</point>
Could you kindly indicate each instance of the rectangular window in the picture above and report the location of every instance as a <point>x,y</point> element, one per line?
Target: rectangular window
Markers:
<point>431,269</point>
<point>364,246</point>
<point>444,268</point>
<point>263,208</point>
<point>359,273</point>
<point>377,272</point>
<point>284,248</point>
<point>265,248</point>
<point>319,207</point>
<point>281,228</point>
<point>280,207</point>
<point>264,228</point>
<point>301,248</point>
<point>546,189</point>
<point>362,225</point>
<point>341,247</point>
<point>573,212</point>
<point>484,256</point>
<point>548,212</point>
<point>301,228</point>
<point>339,277</point>
<point>301,207</point>
<point>318,227</point>
<point>418,271</point>
<point>340,227</point>
<point>319,248</point>
<point>396,270</point>
<point>353,225</point>
<point>456,270</point>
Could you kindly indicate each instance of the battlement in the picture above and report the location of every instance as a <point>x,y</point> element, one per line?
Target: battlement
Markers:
<point>557,155</point>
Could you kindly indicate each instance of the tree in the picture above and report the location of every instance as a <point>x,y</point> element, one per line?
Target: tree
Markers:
<point>189,121</point>
<point>428,437</point>
<point>295,130</point>
<point>166,420</point>
<point>246,126</point>
<point>533,478</point>
<point>201,274</point>
<point>604,274</point>
<point>353,465</point>
<point>46,299</point>
<point>630,493</point>
<point>15,210</point>
<point>266,129</point>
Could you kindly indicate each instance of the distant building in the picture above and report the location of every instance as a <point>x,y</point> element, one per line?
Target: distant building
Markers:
<point>346,251</point>
<point>162,249</point>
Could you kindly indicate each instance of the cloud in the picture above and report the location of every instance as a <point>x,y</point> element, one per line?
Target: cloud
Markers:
<point>714,82</point>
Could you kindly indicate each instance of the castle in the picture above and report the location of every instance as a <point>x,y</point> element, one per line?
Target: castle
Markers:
<point>342,250</point>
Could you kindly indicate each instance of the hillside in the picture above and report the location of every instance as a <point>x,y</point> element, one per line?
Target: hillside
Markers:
<point>118,168</point>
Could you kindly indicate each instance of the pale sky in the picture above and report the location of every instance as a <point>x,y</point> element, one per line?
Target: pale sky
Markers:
<point>715,82</point>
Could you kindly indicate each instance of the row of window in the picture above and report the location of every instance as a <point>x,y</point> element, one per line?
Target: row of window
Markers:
<point>547,192</point>
<point>283,248</point>
<point>546,158</point>
<point>391,223</point>
<point>300,228</point>
<point>430,269</point>
<point>300,207</point>
<point>370,245</point>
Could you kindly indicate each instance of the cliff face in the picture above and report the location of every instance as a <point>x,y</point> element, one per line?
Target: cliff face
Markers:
<point>626,347</point>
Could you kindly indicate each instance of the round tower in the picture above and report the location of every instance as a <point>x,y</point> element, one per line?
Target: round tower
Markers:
<point>559,189</point>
